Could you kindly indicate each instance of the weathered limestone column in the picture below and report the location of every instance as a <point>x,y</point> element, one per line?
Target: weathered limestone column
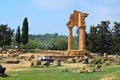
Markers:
<point>70,46</point>
<point>82,38</point>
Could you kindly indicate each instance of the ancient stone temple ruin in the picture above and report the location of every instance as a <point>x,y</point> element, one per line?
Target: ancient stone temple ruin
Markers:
<point>77,19</point>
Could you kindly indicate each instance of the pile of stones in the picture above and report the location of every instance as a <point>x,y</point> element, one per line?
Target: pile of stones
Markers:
<point>38,63</point>
<point>89,69</point>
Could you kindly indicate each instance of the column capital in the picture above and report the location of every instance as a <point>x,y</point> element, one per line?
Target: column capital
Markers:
<point>70,28</point>
<point>81,27</point>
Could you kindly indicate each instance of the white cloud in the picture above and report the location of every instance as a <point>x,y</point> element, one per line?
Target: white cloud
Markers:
<point>50,4</point>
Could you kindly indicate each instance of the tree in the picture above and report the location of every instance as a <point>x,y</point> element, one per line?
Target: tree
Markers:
<point>116,37</point>
<point>18,37</point>
<point>61,43</point>
<point>33,44</point>
<point>91,39</point>
<point>6,34</point>
<point>25,32</point>
<point>104,36</point>
<point>99,38</point>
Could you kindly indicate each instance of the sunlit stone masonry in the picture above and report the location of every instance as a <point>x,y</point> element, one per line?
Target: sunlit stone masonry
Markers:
<point>77,19</point>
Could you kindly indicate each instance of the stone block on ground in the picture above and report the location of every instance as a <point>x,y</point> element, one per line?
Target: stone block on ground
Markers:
<point>80,60</point>
<point>71,60</point>
<point>35,62</point>
<point>12,61</point>
<point>45,63</point>
<point>56,62</point>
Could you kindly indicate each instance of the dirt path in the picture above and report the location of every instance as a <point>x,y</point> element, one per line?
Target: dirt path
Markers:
<point>108,78</point>
<point>20,66</point>
<point>24,64</point>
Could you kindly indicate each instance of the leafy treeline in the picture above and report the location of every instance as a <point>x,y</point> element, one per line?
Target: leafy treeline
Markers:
<point>101,38</point>
<point>104,38</point>
<point>50,41</point>
<point>6,35</point>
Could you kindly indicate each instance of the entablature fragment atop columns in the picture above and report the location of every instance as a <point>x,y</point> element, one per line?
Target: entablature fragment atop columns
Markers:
<point>77,19</point>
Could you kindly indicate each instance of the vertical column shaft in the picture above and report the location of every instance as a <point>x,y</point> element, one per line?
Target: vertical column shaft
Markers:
<point>70,46</point>
<point>82,41</point>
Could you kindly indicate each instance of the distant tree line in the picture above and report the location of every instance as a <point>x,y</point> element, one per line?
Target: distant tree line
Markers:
<point>50,41</point>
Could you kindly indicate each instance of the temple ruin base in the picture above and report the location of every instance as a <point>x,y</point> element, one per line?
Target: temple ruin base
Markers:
<point>77,53</point>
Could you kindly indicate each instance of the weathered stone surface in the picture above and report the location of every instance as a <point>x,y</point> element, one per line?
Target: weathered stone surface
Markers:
<point>106,55</point>
<point>71,60</point>
<point>57,63</point>
<point>31,57</point>
<point>35,62</point>
<point>45,63</point>
<point>80,60</point>
<point>98,67</point>
<point>77,19</point>
<point>12,61</point>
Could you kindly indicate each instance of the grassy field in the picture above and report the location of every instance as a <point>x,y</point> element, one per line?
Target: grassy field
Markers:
<point>55,73</point>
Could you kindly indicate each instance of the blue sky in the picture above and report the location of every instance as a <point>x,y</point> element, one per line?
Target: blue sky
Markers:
<point>51,16</point>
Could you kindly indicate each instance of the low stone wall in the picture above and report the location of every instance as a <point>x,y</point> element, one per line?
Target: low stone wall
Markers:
<point>50,52</point>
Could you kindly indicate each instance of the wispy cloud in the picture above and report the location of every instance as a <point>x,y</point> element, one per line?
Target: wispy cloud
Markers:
<point>103,10</point>
<point>50,4</point>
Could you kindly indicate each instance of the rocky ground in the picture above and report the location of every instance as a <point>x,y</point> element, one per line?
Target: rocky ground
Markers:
<point>25,64</point>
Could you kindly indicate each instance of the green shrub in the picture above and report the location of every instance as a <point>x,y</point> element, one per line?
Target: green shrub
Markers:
<point>97,60</point>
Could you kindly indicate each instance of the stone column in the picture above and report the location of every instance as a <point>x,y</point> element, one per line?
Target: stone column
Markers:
<point>82,38</point>
<point>70,39</point>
